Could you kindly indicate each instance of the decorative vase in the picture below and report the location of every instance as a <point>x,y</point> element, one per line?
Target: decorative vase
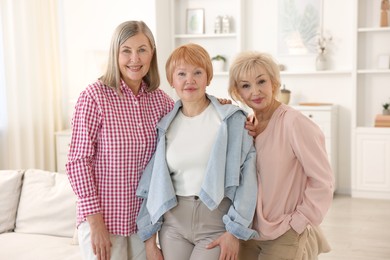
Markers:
<point>218,24</point>
<point>218,65</point>
<point>225,24</point>
<point>384,22</point>
<point>386,112</point>
<point>321,61</point>
<point>284,95</point>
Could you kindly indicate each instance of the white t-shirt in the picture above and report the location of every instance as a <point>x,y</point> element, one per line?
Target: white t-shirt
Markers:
<point>189,144</point>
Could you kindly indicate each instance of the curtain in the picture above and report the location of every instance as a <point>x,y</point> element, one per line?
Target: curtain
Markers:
<point>2,97</point>
<point>31,57</point>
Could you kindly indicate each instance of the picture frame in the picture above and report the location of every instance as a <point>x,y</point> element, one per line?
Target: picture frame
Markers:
<point>300,22</point>
<point>195,21</point>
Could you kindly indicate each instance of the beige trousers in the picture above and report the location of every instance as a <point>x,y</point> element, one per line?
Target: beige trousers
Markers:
<point>123,248</point>
<point>190,227</point>
<point>289,246</point>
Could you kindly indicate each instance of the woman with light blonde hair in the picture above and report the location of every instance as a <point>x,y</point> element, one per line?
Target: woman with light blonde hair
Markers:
<point>295,179</point>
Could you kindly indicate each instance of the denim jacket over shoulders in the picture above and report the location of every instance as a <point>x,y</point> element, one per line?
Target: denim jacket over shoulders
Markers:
<point>230,172</point>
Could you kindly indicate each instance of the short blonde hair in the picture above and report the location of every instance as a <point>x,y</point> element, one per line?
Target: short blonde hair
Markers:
<point>190,53</point>
<point>248,62</point>
<point>123,32</point>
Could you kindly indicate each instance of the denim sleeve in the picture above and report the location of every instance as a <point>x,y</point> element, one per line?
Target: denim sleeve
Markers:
<point>240,215</point>
<point>144,224</point>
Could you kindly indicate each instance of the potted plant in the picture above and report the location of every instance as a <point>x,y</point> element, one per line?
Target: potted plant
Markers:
<point>386,110</point>
<point>218,63</point>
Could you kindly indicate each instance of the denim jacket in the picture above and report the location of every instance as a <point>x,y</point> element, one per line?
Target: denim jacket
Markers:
<point>230,172</point>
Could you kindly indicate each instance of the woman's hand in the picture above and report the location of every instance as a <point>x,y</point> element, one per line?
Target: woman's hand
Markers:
<point>100,238</point>
<point>229,245</point>
<point>251,126</point>
<point>224,101</point>
<point>152,251</point>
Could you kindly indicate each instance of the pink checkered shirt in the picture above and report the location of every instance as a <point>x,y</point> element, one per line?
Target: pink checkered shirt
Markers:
<point>113,138</point>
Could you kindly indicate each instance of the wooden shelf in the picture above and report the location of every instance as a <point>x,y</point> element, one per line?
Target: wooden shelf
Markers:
<point>374,29</point>
<point>372,130</point>
<point>324,72</point>
<point>204,36</point>
<point>373,71</point>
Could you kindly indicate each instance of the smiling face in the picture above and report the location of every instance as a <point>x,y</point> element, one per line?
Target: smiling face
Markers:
<point>190,82</point>
<point>135,55</point>
<point>256,90</point>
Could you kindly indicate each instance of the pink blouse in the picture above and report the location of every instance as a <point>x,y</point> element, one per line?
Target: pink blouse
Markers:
<point>295,178</point>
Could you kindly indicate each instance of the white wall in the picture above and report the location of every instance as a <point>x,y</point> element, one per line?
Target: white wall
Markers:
<point>262,27</point>
<point>261,34</point>
<point>88,25</point>
<point>86,29</point>
<point>163,37</point>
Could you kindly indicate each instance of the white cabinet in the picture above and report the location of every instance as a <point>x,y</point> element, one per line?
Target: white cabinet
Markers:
<point>372,82</point>
<point>370,145</point>
<point>63,139</point>
<point>326,118</point>
<point>372,178</point>
<point>224,44</point>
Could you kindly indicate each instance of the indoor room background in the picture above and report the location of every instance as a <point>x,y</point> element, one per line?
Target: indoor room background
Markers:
<point>79,48</point>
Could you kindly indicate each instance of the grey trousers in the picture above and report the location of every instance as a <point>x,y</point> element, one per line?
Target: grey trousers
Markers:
<point>190,227</point>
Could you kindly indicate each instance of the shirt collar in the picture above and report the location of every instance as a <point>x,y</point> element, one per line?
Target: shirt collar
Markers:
<point>125,88</point>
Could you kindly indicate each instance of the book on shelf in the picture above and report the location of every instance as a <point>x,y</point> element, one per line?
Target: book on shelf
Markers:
<point>382,121</point>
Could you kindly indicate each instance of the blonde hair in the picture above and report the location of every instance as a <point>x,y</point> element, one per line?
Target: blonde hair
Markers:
<point>190,53</point>
<point>124,31</point>
<point>248,62</point>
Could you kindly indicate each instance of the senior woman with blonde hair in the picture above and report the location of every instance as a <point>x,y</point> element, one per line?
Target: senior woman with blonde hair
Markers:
<point>295,179</point>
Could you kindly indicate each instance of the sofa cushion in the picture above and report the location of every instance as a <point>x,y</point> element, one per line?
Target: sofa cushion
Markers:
<point>10,185</point>
<point>47,204</point>
<point>37,247</point>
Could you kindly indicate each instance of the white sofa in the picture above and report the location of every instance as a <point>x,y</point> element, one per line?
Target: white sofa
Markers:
<point>37,216</point>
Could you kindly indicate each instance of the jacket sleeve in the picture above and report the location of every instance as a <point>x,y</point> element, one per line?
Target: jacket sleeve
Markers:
<point>240,215</point>
<point>144,224</point>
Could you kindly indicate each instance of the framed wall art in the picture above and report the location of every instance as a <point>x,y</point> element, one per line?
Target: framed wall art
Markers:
<point>195,21</point>
<point>299,24</point>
